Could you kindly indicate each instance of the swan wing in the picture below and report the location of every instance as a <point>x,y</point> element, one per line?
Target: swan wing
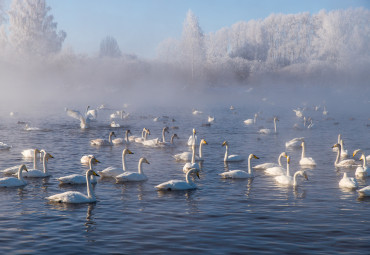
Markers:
<point>11,182</point>
<point>130,176</point>
<point>174,185</point>
<point>73,197</point>
<point>235,174</point>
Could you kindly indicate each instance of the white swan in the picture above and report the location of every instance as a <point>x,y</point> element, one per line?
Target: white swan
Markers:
<point>231,158</point>
<point>113,124</point>
<point>29,153</point>
<point>288,180</point>
<point>211,119</point>
<point>268,131</point>
<point>193,139</point>
<point>187,156</point>
<point>12,181</point>
<point>348,182</point>
<point>196,112</point>
<point>349,163</point>
<point>298,113</point>
<point>118,141</point>
<point>364,192</point>
<point>133,176</point>
<point>240,174</point>
<point>14,169</point>
<point>335,149</point>
<point>306,161</point>
<point>86,158</point>
<point>294,143</point>
<point>362,171</point>
<point>179,185</point>
<point>156,142</point>
<point>344,153</point>
<point>29,128</point>
<point>103,142</point>
<point>269,165</point>
<point>171,143</point>
<point>36,173</point>
<point>114,171</point>
<point>78,178</point>
<point>251,121</point>
<point>277,170</point>
<point>75,197</point>
<point>84,120</point>
<point>4,146</point>
<point>144,136</point>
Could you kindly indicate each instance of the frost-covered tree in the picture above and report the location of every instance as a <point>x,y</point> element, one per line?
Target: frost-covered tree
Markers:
<point>109,48</point>
<point>193,43</point>
<point>32,30</point>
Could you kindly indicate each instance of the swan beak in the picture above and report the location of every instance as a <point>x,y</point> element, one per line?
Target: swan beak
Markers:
<point>97,161</point>
<point>205,142</point>
<point>305,176</point>
<point>146,161</point>
<point>288,159</point>
<point>129,152</point>
<point>51,156</point>
<point>198,175</point>
<point>254,156</point>
<point>94,173</point>
<point>194,132</point>
<point>25,168</point>
<point>224,143</point>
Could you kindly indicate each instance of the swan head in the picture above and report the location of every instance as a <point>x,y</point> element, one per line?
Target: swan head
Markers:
<point>144,160</point>
<point>93,172</point>
<point>355,152</point>
<point>165,129</point>
<point>127,151</point>
<point>194,132</point>
<point>253,156</point>
<point>147,131</point>
<point>47,156</point>
<point>203,141</point>
<point>175,136</point>
<point>194,170</point>
<point>304,174</point>
<point>276,119</point>
<point>23,167</point>
<point>337,145</point>
<point>283,154</point>
<point>225,143</point>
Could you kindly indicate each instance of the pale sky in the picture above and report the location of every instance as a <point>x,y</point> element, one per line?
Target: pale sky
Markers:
<point>140,25</point>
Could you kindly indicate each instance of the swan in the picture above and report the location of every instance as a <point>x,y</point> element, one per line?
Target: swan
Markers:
<point>78,178</point>
<point>14,169</point>
<point>156,142</point>
<point>133,176</point>
<point>298,113</point>
<point>144,136</point>
<point>268,131</point>
<point>211,119</point>
<point>364,192</point>
<point>117,115</point>
<point>344,153</point>
<point>103,142</point>
<point>196,112</point>
<point>4,146</point>
<point>325,112</point>
<point>193,139</point>
<point>114,171</point>
<point>132,138</point>
<point>348,182</point>
<point>362,171</point>
<point>349,163</point>
<point>269,165</point>
<point>359,150</point>
<point>289,180</point>
<point>180,185</point>
<point>240,174</point>
<point>232,107</point>
<point>171,143</point>
<point>86,158</point>
<point>12,181</point>
<point>192,164</point>
<point>29,153</point>
<point>36,173</point>
<point>113,124</point>
<point>230,158</point>
<point>75,197</point>
<point>28,128</point>
<point>304,160</point>
<point>294,143</point>
<point>118,141</point>
<point>84,120</point>
<point>276,170</point>
<point>187,156</point>
<point>251,121</point>
<point>91,114</point>
<point>335,149</point>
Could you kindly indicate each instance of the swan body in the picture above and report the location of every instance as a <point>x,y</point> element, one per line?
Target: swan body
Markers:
<point>294,143</point>
<point>103,142</point>
<point>118,141</point>
<point>275,171</point>
<point>269,165</point>
<point>75,197</point>
<point>133,176</point>
<point>211,119</point>
<point>231,158</point>
<point>78,178</point>
<point>196,112</point>
<point>193,139</point>
<point>362,171</point>
<point>251,121</point>
<point>114,171</point>
<point>306,161</point>
<point>144,135</point>
<point>178,184</point>
<point>269,131</point>
<point>113,124</point>
<point>36,173</point>
<point>28,153</point>
<point>348,182</point>
<point>240,174</point>
<point>12,181</point>
<point>298,113</point>
<point>4,146</point>
<point>187,156</point>
<point>364,192</point>
<point>348,163</point>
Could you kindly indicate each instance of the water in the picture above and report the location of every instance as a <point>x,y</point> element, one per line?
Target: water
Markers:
<point>220,217</point>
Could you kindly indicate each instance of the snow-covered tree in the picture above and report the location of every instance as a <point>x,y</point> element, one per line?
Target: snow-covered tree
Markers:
<point>32,30</point>
<point>193,44</point>
<point>109,48</point>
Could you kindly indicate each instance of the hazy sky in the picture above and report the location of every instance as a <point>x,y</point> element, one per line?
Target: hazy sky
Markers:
<point>140,25</point>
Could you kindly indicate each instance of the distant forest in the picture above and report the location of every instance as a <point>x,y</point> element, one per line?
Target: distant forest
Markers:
<point>299,46</point>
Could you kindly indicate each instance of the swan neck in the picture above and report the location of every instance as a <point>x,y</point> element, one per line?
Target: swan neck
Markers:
<point>145,135</point>
<point>44,163</point>
<point>250,171</point>
<point>35,159</point>
<point>20,176</point>
<point>295,179</point>
<point>172,139</point>
<point>200,150</point>
<point>110,138</point>
<point>275,125</point>
<point>124,160</point>
<point>193,154</point>
<point>163,136</point>
<point>90,192</point>
<point>303,151</point>
<point>339,151</point>
<point>126,136</point>
<point>287,169</point>
<point>139,168</point>
<point>189,180</point>
<point>364,163</point>
<point>226,153</point>
<point>279,159</point>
